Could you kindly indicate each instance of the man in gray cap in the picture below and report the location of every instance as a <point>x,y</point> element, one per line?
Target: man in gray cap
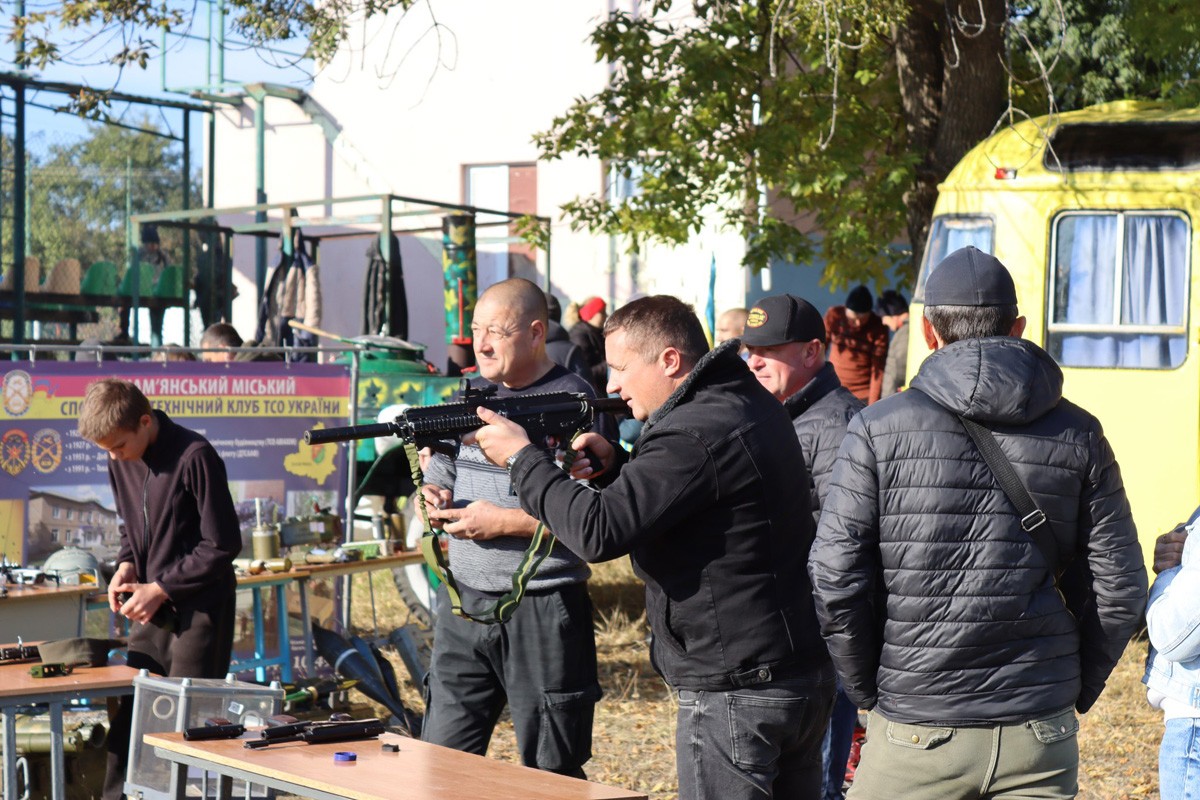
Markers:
<point>785,336</point>
<point>973,631</point>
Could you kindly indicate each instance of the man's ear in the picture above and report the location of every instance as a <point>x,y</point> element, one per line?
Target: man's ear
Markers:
<point>1018,327</point>
<point>671,362</point>
<point>931,337</point>
<point>145,420</point>
<point>537,329</point>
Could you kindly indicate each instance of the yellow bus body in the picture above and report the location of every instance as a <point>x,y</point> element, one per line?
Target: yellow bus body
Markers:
<point>1150,416</point>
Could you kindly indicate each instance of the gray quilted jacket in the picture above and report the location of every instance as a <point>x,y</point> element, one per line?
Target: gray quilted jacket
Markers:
<point>820,412</point>
<point>936,606</point>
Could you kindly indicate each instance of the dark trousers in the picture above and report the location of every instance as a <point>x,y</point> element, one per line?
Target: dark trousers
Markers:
<point>542,662</point>
<point>201,648</point>
<point>756,743</point>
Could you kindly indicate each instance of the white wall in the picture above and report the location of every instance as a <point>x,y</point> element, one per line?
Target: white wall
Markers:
<point>414,115</point>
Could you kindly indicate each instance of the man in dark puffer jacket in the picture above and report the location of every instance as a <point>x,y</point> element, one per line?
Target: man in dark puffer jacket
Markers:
<point>940,611</point>
<point>786,337</point>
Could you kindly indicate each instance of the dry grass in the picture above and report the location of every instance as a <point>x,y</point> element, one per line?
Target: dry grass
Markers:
<point>633,734</point>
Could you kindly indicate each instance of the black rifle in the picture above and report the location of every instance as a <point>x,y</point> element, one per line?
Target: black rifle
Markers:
<point>317,732</point>
<point>19,652</point>
<point>549,414</point>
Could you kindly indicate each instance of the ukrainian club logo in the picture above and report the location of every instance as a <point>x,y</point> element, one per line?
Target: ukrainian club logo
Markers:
<point>757,318</point>
<point>47,450</point>
<point>18,392</point>
<point>14,451</point>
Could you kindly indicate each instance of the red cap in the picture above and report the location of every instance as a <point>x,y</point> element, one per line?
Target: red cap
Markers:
<point>591,307</point>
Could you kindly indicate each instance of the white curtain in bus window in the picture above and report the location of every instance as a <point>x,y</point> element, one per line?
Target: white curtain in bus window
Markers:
<point>1120,291</point>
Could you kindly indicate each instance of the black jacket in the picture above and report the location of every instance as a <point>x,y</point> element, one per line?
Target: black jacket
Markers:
<point>590,340</point>
<point>708,508</point>
<point>565,353</point>
<point>820,413</point>
<point>179,525</point>
<point>936,605</point>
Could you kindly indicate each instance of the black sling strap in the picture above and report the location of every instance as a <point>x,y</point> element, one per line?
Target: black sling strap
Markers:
<point>1032,517</point>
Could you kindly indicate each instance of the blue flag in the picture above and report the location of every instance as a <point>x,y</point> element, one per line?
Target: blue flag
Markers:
<point>710,308</point>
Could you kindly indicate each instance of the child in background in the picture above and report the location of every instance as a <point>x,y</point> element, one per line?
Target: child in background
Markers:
<point>1173,668</point>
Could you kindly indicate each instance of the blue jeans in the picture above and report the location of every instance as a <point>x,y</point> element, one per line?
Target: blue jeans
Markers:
<point>835,748</point>
<point>1179,760</point>
<point>756,743</point>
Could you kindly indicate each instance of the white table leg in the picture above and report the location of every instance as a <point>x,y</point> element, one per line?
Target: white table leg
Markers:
<point>58,772</point>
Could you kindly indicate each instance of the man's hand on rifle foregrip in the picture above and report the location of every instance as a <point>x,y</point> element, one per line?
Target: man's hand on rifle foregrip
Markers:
<point>499,438</point>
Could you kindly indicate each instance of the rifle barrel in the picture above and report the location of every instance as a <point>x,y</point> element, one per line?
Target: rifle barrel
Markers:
<point>350,433</point>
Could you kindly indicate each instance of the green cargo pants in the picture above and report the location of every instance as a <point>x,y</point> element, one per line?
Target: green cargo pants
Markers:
<point>1013,761</point>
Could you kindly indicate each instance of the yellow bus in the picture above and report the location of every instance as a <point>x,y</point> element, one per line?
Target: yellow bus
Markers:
<point>1093,212</point>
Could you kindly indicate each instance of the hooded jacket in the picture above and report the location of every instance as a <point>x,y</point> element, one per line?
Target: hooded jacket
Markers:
<point>936,605</point>
<point>708,509</point>
<point>820,412</point>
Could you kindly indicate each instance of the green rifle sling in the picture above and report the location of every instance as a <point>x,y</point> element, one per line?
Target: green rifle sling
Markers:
<point>539,548</point>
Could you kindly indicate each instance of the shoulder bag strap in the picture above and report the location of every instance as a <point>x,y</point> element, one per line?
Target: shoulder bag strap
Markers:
<point>1032,517</point>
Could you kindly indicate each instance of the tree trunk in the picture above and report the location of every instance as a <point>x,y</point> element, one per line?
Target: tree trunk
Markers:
<point>952,89</point>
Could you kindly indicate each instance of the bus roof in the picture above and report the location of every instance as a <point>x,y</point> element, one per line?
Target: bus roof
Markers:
<point>1138,142</point>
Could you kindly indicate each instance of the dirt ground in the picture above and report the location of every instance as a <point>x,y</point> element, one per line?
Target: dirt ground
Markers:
<point>633,734</point>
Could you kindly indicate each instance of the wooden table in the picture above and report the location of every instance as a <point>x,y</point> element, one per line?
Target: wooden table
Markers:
<point>419,771</point>
<point>43,611</point>
<point>19,688</point>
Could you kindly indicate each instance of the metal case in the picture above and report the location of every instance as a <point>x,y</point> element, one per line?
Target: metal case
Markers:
<point>162,705</point>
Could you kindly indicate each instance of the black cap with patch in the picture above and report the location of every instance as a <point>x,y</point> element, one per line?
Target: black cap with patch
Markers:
<point>781,319</point>
<point>970,277</point>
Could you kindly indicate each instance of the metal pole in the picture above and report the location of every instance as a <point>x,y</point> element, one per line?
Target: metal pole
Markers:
<point>18,229</point>
<point>185,279</point>
<point>260,195</point>
<point>221,44</point>
<point>385,248</point>
<point>28,204</point>
<point>134,265</point>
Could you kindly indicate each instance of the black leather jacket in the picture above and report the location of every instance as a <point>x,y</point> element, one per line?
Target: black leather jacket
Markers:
<point>936,605</point>
<point>708,507</point>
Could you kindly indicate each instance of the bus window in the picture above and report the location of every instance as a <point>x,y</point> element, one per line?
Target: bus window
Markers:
<point>1119,290</point>
<point>950,233</point>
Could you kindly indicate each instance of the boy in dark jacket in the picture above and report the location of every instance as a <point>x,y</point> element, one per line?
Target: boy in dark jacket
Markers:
<point>179,536</point>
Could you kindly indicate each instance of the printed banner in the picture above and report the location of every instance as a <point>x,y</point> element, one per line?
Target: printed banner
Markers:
<point>54,489</point>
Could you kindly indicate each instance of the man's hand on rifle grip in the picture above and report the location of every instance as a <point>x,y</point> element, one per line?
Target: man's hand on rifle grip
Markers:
<point>596,455</point>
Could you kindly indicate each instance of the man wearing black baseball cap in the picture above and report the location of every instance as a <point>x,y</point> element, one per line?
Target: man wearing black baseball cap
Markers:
<point>785,335</point>
<point>961,622</point>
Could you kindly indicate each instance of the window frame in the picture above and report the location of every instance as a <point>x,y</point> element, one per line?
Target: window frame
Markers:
<point>923,272</point>
<point>1052,328</point>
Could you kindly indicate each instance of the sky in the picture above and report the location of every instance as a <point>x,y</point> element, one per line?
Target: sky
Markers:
<point>187,59</point>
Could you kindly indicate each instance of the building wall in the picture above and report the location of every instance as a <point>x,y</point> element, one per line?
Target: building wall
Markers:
<point>65,521</point>
<point>419,104</point>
